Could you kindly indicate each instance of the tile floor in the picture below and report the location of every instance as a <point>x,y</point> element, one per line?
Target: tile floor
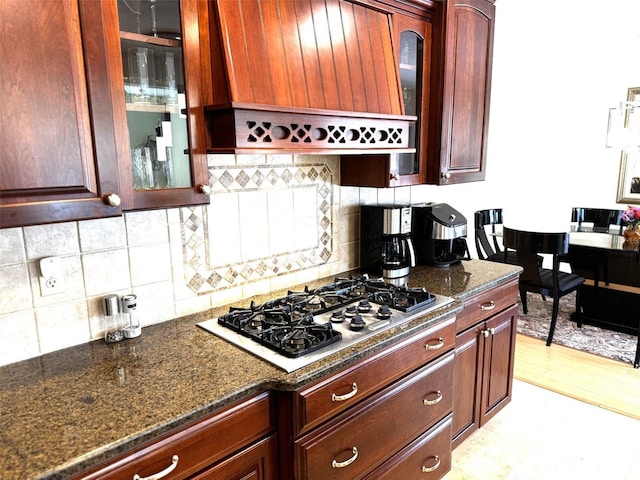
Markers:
<point>542,435</point>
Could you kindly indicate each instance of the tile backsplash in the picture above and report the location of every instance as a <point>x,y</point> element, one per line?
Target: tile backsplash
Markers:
<point>273,222</point>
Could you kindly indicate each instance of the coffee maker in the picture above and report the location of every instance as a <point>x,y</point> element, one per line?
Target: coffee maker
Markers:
<point>439,233</point>
<point>385,240</point>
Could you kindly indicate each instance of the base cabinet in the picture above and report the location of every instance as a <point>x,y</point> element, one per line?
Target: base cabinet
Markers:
<point>382,413</point>
<point>236,443</point>
<point>484,355</point>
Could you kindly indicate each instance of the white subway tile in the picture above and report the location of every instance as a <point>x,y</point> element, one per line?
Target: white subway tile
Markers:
<point>146,228</point>
<point>15,288</point>
<point>51,240</point>
<point>19,339</point>
<point>105,272</point>
<point>149,264</point>
<point>11,246</point>
<point>62,325</point>
<point>102,234</point>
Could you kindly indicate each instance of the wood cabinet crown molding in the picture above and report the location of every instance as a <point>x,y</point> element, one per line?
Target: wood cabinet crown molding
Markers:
<point>303,76</point>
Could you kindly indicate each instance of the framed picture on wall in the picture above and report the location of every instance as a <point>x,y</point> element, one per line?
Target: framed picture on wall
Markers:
<point>629,178</point>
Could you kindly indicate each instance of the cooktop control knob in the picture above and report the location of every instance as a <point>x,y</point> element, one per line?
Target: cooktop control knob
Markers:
<point>384,312</point>
<point>357,323</point>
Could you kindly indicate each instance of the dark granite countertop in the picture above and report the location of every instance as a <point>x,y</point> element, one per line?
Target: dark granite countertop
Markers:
<point>63,412</point>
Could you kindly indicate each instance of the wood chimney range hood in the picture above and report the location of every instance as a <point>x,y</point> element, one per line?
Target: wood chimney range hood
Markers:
<point>303,76</point>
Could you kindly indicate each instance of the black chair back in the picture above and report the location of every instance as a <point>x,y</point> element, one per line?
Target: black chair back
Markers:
<point>602,219</point>
<point>528,245</point>
<point>485,247</point>
<point>534,278</point>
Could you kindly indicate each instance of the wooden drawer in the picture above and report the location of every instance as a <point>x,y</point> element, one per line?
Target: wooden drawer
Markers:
<point>428,458</point>
<point>486,304</point>
<point>257,462</point>
<point>316,403</point>
<point>196,446</point>
<point>356,442</point>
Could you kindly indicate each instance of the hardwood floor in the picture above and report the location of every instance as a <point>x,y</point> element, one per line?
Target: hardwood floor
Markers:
<point>592,379</point>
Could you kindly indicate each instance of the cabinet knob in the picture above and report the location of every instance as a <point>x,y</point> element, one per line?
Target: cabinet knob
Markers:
<point>204,189</point>
<point>112,199</point>
<point>445,175</point>
<point>394,176</point>
<point>487,332</point>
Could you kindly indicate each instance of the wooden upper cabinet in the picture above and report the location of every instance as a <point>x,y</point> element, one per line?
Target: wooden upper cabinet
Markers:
<point>57,155</point>
<point>458,149</point>
<point>412,56</point>
<point>305,76</point>
<point>158,90</point>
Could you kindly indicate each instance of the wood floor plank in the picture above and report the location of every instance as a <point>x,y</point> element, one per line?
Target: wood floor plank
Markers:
<point>590,378</point>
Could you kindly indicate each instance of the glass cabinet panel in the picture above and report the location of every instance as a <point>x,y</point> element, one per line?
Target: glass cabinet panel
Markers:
<point>151,41</point>
<point>411,47</point>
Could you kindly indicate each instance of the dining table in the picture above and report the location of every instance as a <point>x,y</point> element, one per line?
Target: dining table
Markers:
<point>610,296</point>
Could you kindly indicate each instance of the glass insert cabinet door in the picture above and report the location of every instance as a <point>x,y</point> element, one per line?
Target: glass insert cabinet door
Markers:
<point>151,45</point>
<point>411,66</point>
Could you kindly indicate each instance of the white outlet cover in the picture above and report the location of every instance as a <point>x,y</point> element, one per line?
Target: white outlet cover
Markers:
<point>50,267</point>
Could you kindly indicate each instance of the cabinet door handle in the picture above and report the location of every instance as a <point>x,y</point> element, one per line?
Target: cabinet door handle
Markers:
<point>435,400</point>
<point>432,468</point>
<point>438,345</point>
<point>204,189</point>
<point>346,463</point>
<point>163,473</point>
<point>488,331</point>
<point>488,305</point>
<point>346,396</point>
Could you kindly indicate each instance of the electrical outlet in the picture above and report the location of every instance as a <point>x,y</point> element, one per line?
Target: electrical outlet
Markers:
<point>51,285</point>
<point>51,276</point>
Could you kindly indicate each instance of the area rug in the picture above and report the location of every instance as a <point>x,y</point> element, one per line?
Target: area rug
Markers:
<point>606,343</point>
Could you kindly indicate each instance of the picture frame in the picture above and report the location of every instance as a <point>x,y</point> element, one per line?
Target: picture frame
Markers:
<point>629,176</point>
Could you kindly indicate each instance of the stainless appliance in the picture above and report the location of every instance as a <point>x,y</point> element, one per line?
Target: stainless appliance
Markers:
<point>303,327</point>
<point>439,232</point>
<point>385,240</point>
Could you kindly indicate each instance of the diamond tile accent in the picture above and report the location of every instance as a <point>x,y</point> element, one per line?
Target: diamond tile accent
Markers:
<point>201,277</point>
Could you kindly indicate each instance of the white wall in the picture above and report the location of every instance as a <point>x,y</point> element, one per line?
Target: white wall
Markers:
<point>558,67</point>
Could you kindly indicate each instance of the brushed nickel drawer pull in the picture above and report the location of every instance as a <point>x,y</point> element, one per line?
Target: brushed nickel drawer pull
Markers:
<point>346,463</point>
<point>435,466</point>
<point>435,400</point>
<point>437,346</point>
<point>346,396</point>
<point>488,306</point>
<point>163,473</point>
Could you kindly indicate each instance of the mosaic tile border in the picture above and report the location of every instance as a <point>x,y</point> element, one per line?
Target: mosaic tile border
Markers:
<point>202,278</point>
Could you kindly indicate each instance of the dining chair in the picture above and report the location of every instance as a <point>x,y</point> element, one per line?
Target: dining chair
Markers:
<point>550,282</point>
<point>601,220</point>
<point>487,229</point>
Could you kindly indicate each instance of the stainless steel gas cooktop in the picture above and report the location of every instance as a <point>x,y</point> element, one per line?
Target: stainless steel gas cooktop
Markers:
<point>303,327</point>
